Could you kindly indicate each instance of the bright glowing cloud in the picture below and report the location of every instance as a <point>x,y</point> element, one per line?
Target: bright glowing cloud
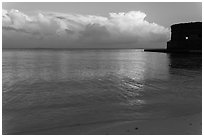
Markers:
<point>51,29</point>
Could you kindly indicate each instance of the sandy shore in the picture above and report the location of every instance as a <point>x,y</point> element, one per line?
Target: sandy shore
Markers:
<point>185,125</point>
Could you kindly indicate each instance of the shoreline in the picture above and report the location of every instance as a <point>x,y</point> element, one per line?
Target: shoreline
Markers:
<point>182,125</point>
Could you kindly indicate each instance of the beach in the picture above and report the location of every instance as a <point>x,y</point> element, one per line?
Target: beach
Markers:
<point>184,125</point>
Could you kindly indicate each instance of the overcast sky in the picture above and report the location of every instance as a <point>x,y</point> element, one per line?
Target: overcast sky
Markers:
<point>93,25</point>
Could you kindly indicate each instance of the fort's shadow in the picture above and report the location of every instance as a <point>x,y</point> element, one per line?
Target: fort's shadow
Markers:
<point>185,61</point>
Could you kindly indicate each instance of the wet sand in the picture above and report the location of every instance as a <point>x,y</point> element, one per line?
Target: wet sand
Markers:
<point>185,125</point>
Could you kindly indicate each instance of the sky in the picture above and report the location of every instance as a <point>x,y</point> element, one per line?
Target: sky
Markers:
<point>93,25</point>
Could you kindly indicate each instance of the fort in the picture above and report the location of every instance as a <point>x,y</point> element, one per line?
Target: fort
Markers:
<point>185,37</point>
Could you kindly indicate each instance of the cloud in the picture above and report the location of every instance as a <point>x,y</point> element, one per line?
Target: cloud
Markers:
<point>52,29</point>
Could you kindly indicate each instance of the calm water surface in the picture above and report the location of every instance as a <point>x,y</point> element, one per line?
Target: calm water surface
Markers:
<point>50,89</point>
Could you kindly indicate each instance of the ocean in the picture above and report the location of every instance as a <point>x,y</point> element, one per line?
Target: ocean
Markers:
<point>49,89</point>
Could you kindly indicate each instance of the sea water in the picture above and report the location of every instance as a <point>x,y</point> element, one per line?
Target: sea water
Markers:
<point>51,89</point>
